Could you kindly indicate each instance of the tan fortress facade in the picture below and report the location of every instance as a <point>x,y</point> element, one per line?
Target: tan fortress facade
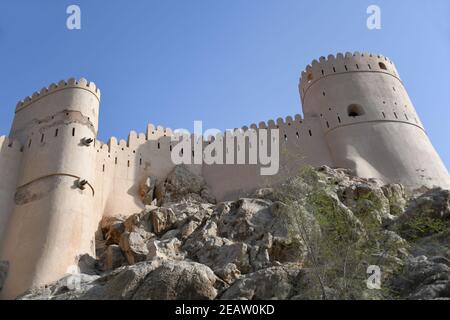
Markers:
<point>357,115</point>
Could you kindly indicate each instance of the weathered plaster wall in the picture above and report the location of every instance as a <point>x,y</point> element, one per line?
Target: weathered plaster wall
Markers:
<point>10,160</point>
<point>52,221</point>
<point>48,221</point>
<point>385,138</point>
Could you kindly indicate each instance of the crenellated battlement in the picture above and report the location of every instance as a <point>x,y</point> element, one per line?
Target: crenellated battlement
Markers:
<point>344,63</point>
<point>62,85</point>
<point>356,115</point>
<point>162,135</point>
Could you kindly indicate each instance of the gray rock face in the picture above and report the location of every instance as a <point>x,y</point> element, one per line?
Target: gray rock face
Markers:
<point>180,184</point>
<point>425,278</point>
<point>147,190</point>
<point>162,219</point>
<point>112,228</point>
<point>426,215</point>
<point>178,280</point>
<point>187,247</point>
<point>134,247</point>
<point>270,283</point>
<point>426,274</point>
<point>112,258</point>
<point>4,268</point>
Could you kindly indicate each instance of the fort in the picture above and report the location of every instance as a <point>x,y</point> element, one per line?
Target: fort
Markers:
<point>58,180</point>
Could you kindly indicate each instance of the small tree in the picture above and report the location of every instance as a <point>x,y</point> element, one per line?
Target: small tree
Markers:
<point>339,247</point>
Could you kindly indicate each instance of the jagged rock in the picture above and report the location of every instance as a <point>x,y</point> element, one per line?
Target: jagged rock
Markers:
<point>4,268</point>
<point>270,283</point>
<point>147,190</point>
<point>396,195</point>
<point>178,280</point>
<point>165,249</point>
<point>265,193</point>
<point>368,202</point>
<point>121,284</point>
<point>112,228</point>
<point>70,287</point>
<point>228,273</point>
<point>426,215</point>
<point>432,246</point>
<point>188,228</point>
<point>424,278</point>
<point>88,265</point>
<point>162,220</point>
<point>134,247</point>
<point>262,247</point>
<point>141,224</point>
<point>207,195</point>
<point>181,183</point>
<point>184,181</point>
<point>112,258</point>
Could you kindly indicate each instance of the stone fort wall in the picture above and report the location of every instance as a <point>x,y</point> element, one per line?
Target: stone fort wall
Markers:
<point>357,115</point>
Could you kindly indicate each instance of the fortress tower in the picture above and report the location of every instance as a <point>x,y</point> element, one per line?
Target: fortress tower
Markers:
<point>58,181</point>
<point>369,122</point>
<point>51,223</point>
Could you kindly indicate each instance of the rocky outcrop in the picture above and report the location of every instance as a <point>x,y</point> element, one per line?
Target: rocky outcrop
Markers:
<point>4,268</point>
<point>313,237</point>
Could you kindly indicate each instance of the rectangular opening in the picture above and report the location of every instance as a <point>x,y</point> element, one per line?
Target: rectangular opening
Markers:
<point>56,132</point>
<point>73,132</point>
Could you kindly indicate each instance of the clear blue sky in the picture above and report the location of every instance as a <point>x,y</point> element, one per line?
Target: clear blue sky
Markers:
<point>226,62</point>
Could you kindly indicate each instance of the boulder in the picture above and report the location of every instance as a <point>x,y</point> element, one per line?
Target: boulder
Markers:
<point>112,228</point>
<point>134,246</point>
<point>266,284</point>
<point>169,249</point>
<point>424,279</point>
<point>162,220</point>
<point>147,190</point>
<point>4,268</point>
<point>112,258</point>
<point>174,280</point>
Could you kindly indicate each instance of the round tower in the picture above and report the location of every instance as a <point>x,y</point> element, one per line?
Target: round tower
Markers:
<point>52,221</point>
<point>369,121</point>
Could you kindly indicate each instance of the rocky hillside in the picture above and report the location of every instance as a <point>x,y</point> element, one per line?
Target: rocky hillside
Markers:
<point>314,237</point>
